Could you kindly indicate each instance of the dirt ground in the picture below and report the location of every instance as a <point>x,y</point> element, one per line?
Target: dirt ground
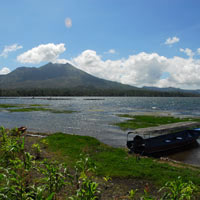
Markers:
<point>114,189</point>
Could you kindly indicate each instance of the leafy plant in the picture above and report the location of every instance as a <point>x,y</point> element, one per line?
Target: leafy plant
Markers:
<point>10,147</point>
<point>28,161</point>
<point>15,182</point>
<point>147,196</point>
<point>4,134</point>
<point>107,178</point>
<point>56,176</point>
<point>44,142</point>
<point>178,189</point>
<point>87,189</point>
<point>132,194</point>
<point>37,151</point>
<point>16,170</point>
<point>85,164</point>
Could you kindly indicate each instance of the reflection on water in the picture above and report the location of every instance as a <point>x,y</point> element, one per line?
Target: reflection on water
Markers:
<point>96,116</point>
<point>191,156</point>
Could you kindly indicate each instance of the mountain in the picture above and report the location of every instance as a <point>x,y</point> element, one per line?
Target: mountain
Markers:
<point>54,76</point>
<point>171,89</point>
<point>66,80</point>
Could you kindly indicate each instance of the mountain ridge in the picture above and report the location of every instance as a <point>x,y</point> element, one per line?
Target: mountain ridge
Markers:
<point>65,79</point>
<point>171,89</point>
<point>54,76</point>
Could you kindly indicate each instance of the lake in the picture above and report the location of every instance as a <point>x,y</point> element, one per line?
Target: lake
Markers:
<point>95,116</point>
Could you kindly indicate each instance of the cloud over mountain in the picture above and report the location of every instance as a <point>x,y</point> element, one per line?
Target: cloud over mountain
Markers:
<point>143,69</point>
<point>4,70</point>
<point>140,69</point>
<point>42,53</point>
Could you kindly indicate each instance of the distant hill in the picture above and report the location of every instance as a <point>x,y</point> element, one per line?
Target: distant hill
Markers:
<point>171,89</point>
<point>66,80</point>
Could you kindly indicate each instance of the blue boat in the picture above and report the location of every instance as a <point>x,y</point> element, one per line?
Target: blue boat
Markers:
<point>163,144</point>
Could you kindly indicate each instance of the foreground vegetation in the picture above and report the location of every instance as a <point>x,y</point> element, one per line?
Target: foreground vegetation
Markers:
<point>85,169</point>
<point>144,121</point>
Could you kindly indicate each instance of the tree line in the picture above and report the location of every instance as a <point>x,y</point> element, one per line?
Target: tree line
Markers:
<point>81,91</point>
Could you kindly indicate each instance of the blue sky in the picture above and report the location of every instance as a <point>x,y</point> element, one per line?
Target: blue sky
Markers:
<point>137,42</point>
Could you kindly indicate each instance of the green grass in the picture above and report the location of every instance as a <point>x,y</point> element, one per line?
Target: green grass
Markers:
<point>21,105</point>
<point>10,105</point>
<point>116,162</point>
<point>38,105</point>
<point>33,108</point>
<point>144,121</point>
<point>28,109</point>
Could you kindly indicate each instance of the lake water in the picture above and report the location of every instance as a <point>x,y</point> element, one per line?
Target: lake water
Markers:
<point>95,116</point>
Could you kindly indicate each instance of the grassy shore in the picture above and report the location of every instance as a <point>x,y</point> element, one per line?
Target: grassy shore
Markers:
<point>116,162</point>
<point>126,171</point>
<point>35,167</point>
<point>144,121</point>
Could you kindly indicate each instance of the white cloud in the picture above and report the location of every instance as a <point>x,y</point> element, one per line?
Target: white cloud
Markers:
<point>111,51</point>
<point>10,48</point>
<point>143,69</point>
<point>140,69</point>
<point>170,41</point>
<point>42,53</point>
<point>68,22</point>
<point>184,73</point>
<point>198,51</point>
<point>188,52</point>
<point>4,71</point>
<point>61,61</point>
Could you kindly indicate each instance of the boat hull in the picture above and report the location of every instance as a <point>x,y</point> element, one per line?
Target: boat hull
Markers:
<point>165,144</point>
<point>170,150</point>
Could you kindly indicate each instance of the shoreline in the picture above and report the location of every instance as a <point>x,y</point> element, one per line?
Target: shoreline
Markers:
<point>116,171</point>
<point>166,159</point>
